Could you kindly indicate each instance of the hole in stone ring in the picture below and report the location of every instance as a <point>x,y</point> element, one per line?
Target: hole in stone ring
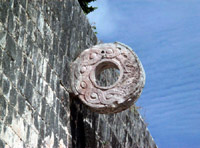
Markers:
<point>106,73</point>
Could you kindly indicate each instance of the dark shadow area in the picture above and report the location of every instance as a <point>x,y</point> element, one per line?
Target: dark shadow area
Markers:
<point>76,123</point>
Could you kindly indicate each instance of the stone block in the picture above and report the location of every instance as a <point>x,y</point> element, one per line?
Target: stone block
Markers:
<point>31,30</point>
<point>28,91</point>
<point>11,21</point>
<point>56,142</point>
<point>4,7</point>
<point>66,75</point>
<point>48,131</point>
<point>42,129</point>
<point>46,50</point>
<point>43,108</point>
<point>34,77</point>
<point>21,39</point>
<point>3,107</point>
<point>40,22</point>
<point>29,46</point>
<point>8,136</point>
<point>51,118</point>
<point>55,45</point>
<point>9,116</point>
<point>1,82</point>
<point>51,58</point>
<point>58,90</point>
<point>21,81</point>
<point>36,121</point>
<point>21,104</point>
<point>6,63</point>
<point>16,8</point>
<point>23,17</point>
<point>62,113</point>
<point>18,60</point>
<point>24,3</point>
<point>34,54</point>
<point>31,137</point>
<point>58,66</point>
<point>13,97</point>
<point>6,86</point>
<point>39,62</point>
<point>48,34</point>
<point>48,73</point>
<point>44,68</point>
<point>36,101</point>
<point>58,104</point>
<point>39,84</point>
<point>2,144</point>
<point>65,99</point>
<point>56,123</point>
<point>32,12</point>
<point>47,113</point>
<point>63,135</point>
<point>53,80</point>
<point>3,35</point>
<point>29,71</point>
<point>25,65</point>
<point>11,47</point>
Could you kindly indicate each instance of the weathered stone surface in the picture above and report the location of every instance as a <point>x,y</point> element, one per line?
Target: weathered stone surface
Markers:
<point>21,104</point>
<point>3,106</point>
<point>38,42</point>
<point>118,96</point>
<point>11,46</point>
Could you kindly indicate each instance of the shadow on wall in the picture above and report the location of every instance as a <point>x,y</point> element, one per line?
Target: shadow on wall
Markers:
<point>76,122</point>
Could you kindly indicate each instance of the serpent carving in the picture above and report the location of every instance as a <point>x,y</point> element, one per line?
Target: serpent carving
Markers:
<point>118,96</point>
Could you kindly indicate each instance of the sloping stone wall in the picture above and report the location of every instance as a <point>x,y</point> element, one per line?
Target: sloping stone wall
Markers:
<point>122,130</point>
<point>38,40</point>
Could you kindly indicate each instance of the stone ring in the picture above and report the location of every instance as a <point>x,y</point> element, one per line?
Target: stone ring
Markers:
<point>115,97</point>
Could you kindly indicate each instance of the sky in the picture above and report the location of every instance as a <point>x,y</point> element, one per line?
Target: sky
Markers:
<point>166,37</point>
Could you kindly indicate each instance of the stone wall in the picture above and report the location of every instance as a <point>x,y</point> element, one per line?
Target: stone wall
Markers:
<point>38,40</point>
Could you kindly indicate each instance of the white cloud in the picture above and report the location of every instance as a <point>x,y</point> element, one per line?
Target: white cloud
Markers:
<point>102,18</point>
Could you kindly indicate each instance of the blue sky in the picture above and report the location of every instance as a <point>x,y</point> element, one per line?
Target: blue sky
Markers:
<point>166,37</point>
